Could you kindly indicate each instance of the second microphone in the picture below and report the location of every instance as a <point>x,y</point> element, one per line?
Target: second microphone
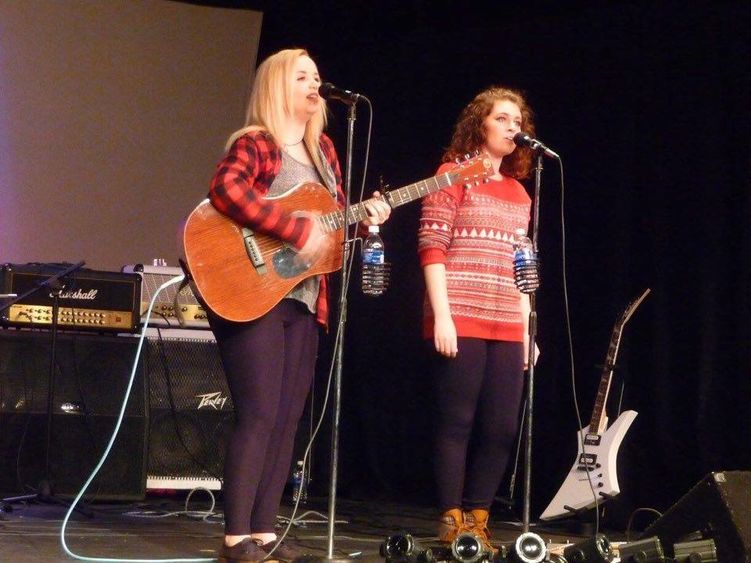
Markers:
<point>330,92</point>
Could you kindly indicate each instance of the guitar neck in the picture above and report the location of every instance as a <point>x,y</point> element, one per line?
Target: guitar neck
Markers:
<point>598,421</point>
<point>597,424</point>
<point>357,212</point>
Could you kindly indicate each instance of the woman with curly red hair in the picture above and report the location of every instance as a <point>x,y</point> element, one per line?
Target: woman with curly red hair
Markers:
<point>474,314</point>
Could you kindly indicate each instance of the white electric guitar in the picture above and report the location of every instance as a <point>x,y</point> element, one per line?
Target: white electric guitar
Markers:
<point>593,475</point>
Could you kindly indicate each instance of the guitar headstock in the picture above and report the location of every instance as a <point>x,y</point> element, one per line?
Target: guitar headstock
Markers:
<point>632,307</point>
<point>472,170</point>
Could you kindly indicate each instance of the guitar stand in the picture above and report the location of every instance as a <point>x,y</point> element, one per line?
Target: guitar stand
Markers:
<point>579,511</point>
<point>577,521</point>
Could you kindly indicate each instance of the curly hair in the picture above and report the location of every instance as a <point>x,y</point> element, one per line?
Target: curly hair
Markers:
<point>469,132</point>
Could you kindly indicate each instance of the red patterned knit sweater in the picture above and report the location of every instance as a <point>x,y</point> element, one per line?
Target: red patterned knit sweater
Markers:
<point>472,232</point>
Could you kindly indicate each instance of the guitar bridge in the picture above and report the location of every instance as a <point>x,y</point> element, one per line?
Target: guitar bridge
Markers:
<point>253,251</point>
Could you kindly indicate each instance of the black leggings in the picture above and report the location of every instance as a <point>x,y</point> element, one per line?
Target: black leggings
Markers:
<point>269,365</point>
<point>479,394</point>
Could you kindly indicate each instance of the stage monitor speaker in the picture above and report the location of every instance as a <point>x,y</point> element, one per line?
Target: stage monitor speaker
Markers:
<point>91,375</point>
<point>191,412</point>
<point>719,507</point>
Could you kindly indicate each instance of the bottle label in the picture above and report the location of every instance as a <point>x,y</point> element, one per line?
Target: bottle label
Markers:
<point>372,256</point>
<point>523,254</point>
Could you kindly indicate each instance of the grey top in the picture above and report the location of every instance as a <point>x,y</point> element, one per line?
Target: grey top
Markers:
<point>292,173</point>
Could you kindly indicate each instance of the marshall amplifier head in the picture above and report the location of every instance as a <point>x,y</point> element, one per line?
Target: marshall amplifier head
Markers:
<point>87,299</point>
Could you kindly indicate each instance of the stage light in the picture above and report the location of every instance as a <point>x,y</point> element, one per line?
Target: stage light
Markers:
<point>595,549</point>
<point>528,548</point>
<point>701,551</point>
<point>403,548</point>
<point>648,550</point>
<point>468,548</point>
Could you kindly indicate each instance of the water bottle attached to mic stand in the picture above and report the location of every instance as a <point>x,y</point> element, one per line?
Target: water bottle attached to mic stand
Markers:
<point>299,486</point>
<point>526,264</point>
<point>375,269</point>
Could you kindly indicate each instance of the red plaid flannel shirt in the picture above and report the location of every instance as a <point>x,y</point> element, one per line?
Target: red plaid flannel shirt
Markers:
<point>243,178</point>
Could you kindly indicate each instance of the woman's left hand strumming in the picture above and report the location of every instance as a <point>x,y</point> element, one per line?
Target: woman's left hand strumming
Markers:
<point>378,210</point>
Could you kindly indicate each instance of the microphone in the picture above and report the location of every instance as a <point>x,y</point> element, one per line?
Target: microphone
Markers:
<point>330,92</point>
<point>524,140</point>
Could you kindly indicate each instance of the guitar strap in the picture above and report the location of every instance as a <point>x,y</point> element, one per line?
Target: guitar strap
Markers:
<point>186,280</point>
<point>325,171</point>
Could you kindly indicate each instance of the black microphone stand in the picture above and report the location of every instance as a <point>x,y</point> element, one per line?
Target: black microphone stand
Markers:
<point>339,345</point>
<point>527,493</point>
<point>45,491</point>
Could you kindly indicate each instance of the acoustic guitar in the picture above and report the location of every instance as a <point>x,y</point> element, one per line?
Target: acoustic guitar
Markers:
<point>240,275</point>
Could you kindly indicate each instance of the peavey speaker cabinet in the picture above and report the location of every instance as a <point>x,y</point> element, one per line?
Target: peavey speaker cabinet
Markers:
<point>191,413</point>
<point>90,379</point>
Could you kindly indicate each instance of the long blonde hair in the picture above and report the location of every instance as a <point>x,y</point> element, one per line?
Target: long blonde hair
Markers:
<point>270,102</point>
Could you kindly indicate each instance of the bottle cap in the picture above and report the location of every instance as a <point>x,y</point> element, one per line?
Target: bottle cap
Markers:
<point>373,229</point>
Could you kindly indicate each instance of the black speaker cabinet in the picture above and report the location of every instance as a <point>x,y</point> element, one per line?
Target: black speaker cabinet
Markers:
<point>191,412</point>
<point>90,379</point>
<point>719,506</point>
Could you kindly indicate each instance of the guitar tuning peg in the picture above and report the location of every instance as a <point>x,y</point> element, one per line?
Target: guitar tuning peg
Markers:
<point>477,152</point>
<point>458,160</point>
<point>466,156</point>
<point>468,186</point>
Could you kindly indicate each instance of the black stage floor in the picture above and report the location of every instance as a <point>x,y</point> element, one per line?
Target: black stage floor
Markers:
<point>171,528</point>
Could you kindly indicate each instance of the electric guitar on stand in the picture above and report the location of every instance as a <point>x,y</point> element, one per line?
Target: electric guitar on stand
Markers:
<point>593,477</point>
<point>241,274</point>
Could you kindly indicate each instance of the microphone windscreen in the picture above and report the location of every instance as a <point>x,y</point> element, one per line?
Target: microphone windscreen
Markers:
<point>325,89</point>
<point>522,139</point>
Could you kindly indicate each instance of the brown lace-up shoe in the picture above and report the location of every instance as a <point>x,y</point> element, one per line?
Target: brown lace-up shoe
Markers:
<point>246,550</point>
<point>282,551</point>
<point>477,524</point>
<point>451,525</point>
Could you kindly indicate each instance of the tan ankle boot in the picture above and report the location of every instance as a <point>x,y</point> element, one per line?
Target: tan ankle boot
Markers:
<point>451,525</point>
<point>477,523</point>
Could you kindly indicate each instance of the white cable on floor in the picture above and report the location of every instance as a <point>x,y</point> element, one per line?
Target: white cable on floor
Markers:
<point>109,447</point>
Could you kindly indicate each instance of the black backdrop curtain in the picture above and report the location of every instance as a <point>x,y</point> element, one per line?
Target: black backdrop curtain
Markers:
<point>647,104</point>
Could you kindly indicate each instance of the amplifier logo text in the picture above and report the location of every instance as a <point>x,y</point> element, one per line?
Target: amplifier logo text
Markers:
<point>78,294</point>
<point>213,400</point>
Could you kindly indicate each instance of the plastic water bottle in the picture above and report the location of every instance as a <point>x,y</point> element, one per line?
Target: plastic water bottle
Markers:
<point>298,486</point>
<point>374,267</point>
<point>526,272</point>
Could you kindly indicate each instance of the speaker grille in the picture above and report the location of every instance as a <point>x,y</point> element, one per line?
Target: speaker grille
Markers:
<point>90,379</point>
<point>191,410</point>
